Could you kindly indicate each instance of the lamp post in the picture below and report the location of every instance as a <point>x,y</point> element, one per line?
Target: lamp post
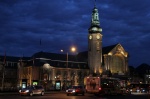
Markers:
<point>3,72</point>
<point>3,76</point>
<point>73,49</point>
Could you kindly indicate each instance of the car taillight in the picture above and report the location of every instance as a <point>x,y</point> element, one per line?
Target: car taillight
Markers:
<point>76,90</point>
<point>99,88</point>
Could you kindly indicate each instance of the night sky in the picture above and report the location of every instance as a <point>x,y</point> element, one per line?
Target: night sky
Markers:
<point>30,26</point>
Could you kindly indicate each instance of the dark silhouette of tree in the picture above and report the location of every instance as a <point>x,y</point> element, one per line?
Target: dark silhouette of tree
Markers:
<point>141,70</point>
<point>131,71</point>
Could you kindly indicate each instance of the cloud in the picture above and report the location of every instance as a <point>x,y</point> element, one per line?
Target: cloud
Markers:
<point>63,23</point>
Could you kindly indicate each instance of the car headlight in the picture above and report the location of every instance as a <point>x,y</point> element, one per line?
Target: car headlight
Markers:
<point>27,91</point>
<point>74,90</point>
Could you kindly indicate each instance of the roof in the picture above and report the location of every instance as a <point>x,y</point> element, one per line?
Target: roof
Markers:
<point>54,56</point>
<point>58,60</point>
<point>57,63</point>
<point>107,49</point>
<point>9,58</point>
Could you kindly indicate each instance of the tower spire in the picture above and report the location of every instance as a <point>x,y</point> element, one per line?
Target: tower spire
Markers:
<point>95,23</point>
<point>94,3</point>
<point>95,15</point>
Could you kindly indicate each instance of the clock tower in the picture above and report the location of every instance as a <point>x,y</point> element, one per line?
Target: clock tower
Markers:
<point>95,43</point>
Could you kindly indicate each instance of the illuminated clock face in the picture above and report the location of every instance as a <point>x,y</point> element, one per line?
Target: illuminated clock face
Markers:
<point>98,36</point>
<point>90,37</point>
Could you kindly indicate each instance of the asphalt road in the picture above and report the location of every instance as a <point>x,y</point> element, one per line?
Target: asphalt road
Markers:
<point>62,95</point>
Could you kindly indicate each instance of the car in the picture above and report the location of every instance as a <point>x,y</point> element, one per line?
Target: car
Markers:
<point>134,88</point>
<point>139,88</point>
<point>144,88</point>
<point>32,90</point>
<point>75,90</point>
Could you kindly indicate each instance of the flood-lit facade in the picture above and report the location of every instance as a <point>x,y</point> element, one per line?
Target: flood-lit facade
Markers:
<point>116,60</point>
<point>48,71</point>
<point>112,58</point>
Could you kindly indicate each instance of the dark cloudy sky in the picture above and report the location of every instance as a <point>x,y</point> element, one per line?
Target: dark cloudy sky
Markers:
<point>60,24</point>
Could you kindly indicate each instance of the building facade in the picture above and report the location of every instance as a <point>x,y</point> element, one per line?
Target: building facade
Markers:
<point>115,60</point>
<point>8,73</point>
<point>51,71</point>
<point>111,58</point>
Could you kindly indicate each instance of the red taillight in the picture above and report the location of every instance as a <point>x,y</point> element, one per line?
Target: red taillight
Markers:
<point>99,88</point>
<point>77,90</point>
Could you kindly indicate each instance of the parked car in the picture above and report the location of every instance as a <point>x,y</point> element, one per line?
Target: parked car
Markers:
<point>32,90</point>
<point>75,90</point>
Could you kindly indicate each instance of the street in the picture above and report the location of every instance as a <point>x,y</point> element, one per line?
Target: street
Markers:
<point>62,95</point>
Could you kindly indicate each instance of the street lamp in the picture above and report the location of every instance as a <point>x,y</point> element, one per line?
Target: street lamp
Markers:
<point>72,49</point>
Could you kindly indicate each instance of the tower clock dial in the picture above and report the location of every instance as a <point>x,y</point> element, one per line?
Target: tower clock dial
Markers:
<point>98,36</point>
<point>90,37</point>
